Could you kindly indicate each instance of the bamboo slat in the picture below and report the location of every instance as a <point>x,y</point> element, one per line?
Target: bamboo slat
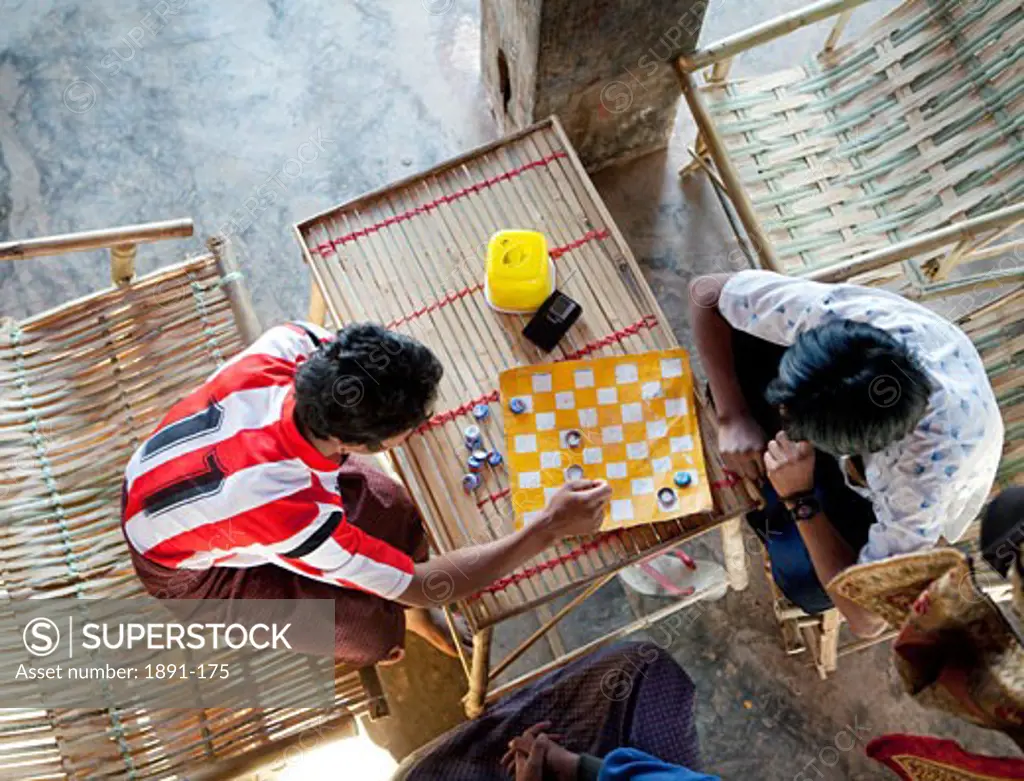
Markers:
<point>412,256</point>
<point>80,387</point>
<point>914,125</point>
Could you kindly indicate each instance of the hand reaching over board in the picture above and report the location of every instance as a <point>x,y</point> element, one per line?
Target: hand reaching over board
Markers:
<point>576,508</point>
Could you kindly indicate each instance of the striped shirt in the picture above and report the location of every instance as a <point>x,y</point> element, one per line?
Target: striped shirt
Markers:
<point>227,480</point>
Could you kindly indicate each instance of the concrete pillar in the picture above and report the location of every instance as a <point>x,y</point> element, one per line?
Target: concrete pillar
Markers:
<point>603,66</point>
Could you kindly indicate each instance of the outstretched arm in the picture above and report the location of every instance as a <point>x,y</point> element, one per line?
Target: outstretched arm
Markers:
<point>576,509</point>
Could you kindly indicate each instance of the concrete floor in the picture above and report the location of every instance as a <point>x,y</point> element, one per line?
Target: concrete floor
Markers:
<point>111,114</point>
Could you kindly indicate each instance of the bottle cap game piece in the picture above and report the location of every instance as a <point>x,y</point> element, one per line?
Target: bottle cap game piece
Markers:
<point>683,479</point>
<point>480,455</point>
<point>574,472</point>
<point>471,482</point>
<point>472,433</point>
<point>666,497</point>
<point>573,439</point>
<point>481,411</point>
<point>517,406</point>
<point>494,458</point>
<point>474,464</point>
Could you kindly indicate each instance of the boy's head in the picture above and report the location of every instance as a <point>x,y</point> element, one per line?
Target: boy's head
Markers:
<point>366,389</point>
<point>849,388</point>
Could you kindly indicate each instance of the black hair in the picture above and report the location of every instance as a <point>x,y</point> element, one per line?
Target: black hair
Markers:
<point>1002,531</point>
<point>849,388</point>
<point>366,385</point>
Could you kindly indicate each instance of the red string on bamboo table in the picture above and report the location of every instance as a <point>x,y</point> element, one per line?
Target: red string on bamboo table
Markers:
<point>495,496</point>
<point>731,479</point>
<point>331,245</point>
<point>516,577</point>
<point>648,321</point>
<point>557,252</point>
<point>463,409</point>
<point>455,295</point>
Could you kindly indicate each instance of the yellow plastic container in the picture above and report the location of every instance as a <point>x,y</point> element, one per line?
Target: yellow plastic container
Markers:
<point>520,275</point>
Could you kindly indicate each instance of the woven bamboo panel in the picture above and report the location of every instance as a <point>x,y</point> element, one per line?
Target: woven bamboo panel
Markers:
<point>80,387</point>
<point>997,330</point>
<point>915,124</point>
<point>411,256</point>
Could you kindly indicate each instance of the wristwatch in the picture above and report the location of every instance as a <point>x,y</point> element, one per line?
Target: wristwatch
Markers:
<point>802,507</point>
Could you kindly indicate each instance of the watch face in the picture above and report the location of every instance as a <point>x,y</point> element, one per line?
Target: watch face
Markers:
<point>804,512</point>
<point>806,508</point>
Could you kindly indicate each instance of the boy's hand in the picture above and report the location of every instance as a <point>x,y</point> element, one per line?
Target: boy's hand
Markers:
<point>539,753</point>
<point>790,465</point>
<point>741,441</point>
<point>576,508</point>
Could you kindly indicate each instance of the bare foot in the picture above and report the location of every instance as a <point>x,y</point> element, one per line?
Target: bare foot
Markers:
<point>432,627</point>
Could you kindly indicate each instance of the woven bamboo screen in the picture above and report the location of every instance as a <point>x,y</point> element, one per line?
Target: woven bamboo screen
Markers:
<point>412,256</point>
<point>997,330</point>
<point>915,124</point>
<point>80,387</point>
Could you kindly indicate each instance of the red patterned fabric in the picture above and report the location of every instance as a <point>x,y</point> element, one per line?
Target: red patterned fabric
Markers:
<point>916,758</point>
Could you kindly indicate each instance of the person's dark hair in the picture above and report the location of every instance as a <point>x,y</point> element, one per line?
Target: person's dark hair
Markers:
<point>849,388</point>
<point>366,385</point>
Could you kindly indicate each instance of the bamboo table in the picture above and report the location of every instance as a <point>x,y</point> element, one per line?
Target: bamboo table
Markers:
<point>411,255</point>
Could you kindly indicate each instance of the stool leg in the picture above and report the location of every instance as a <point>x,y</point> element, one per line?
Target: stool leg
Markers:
<point>700,150</point>
<point>830,623</point>
<point>735,554</point>
<point>479,674</point>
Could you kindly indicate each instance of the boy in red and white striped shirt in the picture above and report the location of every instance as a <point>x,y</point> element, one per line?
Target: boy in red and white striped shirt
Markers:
<point>252,487</point>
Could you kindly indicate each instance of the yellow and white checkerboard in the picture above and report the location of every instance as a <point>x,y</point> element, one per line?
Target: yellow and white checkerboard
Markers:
<point>639,428</point>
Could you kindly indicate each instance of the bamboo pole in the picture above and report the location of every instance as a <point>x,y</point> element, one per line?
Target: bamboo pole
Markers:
<point>637,626</point>
<point>837,31</point>
<point>950,234</point>
<point>97,239</point>
<point>720,71</point>
<point>476,697</point>
<point>122,263</point>
<point>735,554</point>
<point>732,45</point>
<point>544,628</point>
<point>237,293</point>
<point>730,176</point>
<point>860,645</point>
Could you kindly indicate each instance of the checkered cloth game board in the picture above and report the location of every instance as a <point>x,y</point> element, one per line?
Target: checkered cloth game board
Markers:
<point>638,426</point>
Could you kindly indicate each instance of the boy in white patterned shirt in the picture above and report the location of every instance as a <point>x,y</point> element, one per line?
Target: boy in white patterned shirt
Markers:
<point>870,417</point>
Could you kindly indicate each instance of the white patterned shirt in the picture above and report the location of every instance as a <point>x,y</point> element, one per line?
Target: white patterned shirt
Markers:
<point>934,481</point>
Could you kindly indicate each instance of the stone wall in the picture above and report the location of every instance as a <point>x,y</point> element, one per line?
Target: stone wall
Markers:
<point>604,67</point>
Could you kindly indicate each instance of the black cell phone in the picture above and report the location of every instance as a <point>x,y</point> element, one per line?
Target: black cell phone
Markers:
<point>551,322</point>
